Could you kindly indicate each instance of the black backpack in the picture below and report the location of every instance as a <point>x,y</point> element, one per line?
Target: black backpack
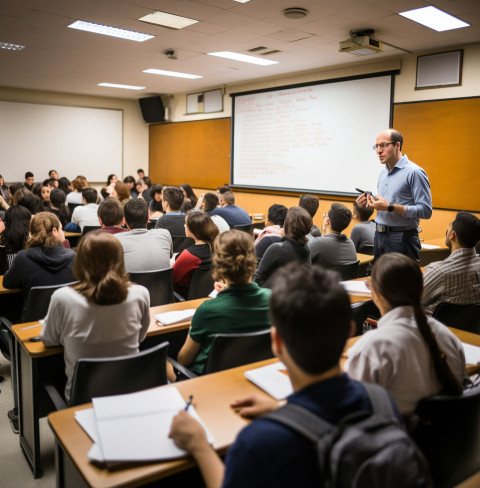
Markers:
<point>365,449</point>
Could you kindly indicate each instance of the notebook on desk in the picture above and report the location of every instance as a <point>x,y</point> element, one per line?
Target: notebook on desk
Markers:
<point>272,379</point>
<point>134,427</point>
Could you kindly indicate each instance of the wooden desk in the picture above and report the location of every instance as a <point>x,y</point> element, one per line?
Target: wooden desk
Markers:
<point>437,254</point>
<point>36,364</point>
<point>364,258</point>
<point>7,291</point>
<point>72,234</point>
<point>212,396</point>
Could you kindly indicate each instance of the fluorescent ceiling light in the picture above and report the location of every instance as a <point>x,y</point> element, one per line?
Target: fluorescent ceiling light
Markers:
<point>244,58</point>
<point>110,31</point>
<point>434,18</point>
<point>241,1</point>
<point>171,73</point>
<point>11,47</point>
<point>126,87</point>
<point>168,20</point>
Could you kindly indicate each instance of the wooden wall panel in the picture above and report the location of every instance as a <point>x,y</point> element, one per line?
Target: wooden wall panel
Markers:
<point>442,137</point>
<point>197,153</point>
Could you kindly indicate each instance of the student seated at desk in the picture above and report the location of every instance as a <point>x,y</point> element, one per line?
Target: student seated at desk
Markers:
<point>410,355</point>
<point>292,247</point>
<point>242,306</point>
<point>15,233</point>
<point>104,315</point>
<point>312,319</point>
<point>198,226</point>
<point>45,262</point>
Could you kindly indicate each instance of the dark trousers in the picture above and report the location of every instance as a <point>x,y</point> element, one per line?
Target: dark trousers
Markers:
<point>406,242</point>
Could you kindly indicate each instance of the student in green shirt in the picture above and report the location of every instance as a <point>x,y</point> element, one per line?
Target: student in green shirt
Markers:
<point>241,305</point>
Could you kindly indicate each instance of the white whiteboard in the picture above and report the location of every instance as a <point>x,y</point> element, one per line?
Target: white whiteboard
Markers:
<point>314,138</point>
<point>72,140</point>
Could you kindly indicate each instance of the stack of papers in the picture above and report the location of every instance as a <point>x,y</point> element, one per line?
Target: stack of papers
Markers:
<point>358,288</point>
<point>272,379</point>
<point>169,318</point>
<point>472,353</point>
<point>134,427</point>
<point>429,246</point>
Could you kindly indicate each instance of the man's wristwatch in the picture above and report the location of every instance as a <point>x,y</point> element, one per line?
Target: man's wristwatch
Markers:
<point>390,207</point>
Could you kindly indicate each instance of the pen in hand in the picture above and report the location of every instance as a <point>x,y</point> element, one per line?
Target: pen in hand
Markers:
<point>189,402</point>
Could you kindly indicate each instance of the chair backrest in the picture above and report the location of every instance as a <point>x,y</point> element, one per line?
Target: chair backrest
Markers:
<point>201,284</point>
<point>159,283</point>
<point>449,435</point>
<point>366,249</point>
<point>3,260</point>
<point>464,317</point>
<point>232,350</point>
<point>348,271</point>
<point>89,228</point>
<point>181,242</point>
<point>73,206</point>
<point>245,228</point>
<point>95,377</point>
<point>362,311</point>
<point>39,300</point>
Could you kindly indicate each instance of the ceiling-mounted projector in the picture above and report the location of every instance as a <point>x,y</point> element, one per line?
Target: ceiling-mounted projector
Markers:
<point>361,45</point>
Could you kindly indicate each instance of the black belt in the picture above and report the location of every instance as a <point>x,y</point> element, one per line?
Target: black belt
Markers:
<point>387,228</point>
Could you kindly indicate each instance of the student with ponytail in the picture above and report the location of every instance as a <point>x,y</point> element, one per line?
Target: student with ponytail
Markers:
<point>103,315</point>
<point>410,355</point>
<point>241,305</point>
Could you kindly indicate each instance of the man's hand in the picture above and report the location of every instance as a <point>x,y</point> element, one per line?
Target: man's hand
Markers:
<point>379,204</point>
<point>255,406</point>
<point>187,432</point>
<point>218,286</point>
<point>362,200</point>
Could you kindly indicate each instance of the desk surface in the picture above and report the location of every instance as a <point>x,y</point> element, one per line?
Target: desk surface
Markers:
<point>6,291</point>
<point>72,234</point>
<point>213,395</point>
<point>438,241</point>
<point>364,258</point>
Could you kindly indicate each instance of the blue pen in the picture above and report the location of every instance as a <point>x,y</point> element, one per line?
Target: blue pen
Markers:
<point>189,402</point>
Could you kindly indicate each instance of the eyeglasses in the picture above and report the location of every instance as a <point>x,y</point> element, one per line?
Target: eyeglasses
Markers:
<point>382,145</point>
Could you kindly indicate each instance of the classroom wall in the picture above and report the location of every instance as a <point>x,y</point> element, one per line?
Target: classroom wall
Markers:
<point>404,82</point>
<point>135,130</point>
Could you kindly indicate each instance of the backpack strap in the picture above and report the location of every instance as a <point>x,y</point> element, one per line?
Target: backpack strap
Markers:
<point>380,400</point>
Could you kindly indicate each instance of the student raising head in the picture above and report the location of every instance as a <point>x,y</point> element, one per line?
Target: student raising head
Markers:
<point>103,315</point>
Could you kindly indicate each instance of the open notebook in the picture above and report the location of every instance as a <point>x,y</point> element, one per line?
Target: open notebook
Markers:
<point>272,379</point>
<point>134,427</point>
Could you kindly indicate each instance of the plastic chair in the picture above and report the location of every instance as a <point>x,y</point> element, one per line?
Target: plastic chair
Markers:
<point>39,300</point>
<point>90,228</point>
<point>463,317</point>
<point>366,249</point>
<point>362,311</point>
<point>348,271</point>
<point>201,284</point>
<point>181,242</point>
<point>94,377</point>
<point>73,206</point>
<point>232,350</point>
<point>448,433</point>
<point>245,228</point>
<point>159,284</point>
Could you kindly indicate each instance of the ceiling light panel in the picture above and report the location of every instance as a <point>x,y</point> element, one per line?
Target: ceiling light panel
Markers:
<point>11,47</point>
<point>168,20</point>
<point>434,18</point>
<point>125,87</point>
<point>110,31</point>
<point>244,58</point>
<point>171,73</point>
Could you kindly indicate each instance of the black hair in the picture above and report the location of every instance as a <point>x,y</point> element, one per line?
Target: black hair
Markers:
<point>312,314</point>
<point>174,197</point>
<point>90,195</point>
<point>467,228</point>
<point>396,137</point>
<point>310,203</point>
<point>17,221</point>
<point>277,214</point>
<point>364,213</point>
<point>57,200</point>
<point>190,193</point>
<point>210,201</point>
<point>340,217</point>
<point>136,213</point>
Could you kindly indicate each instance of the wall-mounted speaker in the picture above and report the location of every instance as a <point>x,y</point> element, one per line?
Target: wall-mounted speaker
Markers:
<point>152,109</point>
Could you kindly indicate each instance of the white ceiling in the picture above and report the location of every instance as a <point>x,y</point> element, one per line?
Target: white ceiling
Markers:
<point>65,60</point>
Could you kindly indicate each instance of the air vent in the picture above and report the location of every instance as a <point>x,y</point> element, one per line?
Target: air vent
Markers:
<point>256,49</point>
<point>275,51</point>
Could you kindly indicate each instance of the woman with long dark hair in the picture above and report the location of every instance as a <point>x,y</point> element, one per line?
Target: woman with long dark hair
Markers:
<point>58,206</point>
<point>15,235</point>
<point>292,247</point>
<point>200,227</point>
<point>189,193</point>
<point>103,315</point>
<point>410,355</point>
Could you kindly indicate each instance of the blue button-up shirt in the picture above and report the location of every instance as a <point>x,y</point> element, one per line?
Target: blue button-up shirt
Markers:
<point>407,184</point>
